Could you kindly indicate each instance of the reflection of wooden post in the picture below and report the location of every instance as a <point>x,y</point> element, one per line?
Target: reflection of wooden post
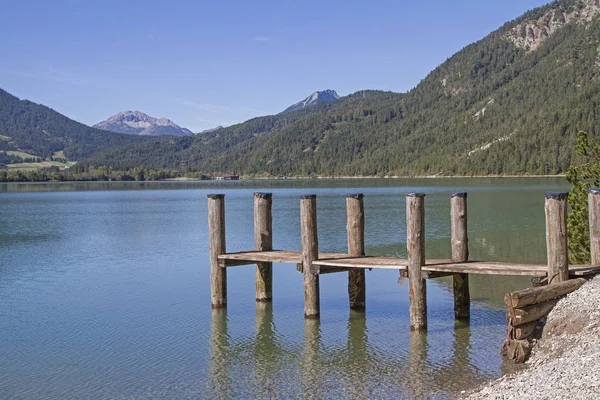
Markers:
<point>220,356</point>
<point>311,374</point>
<point>356,248</point>
<point>263,240</point>
<point>310,252</point>
<point>460,252</point>
<point>556,237</point>
<point>415,244</point>
<point>594,217</point>
<point>216,234</point>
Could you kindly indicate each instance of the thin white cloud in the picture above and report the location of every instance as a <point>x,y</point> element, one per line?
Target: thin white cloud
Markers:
<point>262,39</point>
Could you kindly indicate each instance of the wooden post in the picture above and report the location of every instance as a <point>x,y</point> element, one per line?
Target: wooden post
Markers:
<point>594,217</point>
<point>556,237</point>
<point>216,235</point>
<point>460,252</point>
<point>263,240</point>
<point>310,252</point>
<point>356,248</point>
<point>415,244</point>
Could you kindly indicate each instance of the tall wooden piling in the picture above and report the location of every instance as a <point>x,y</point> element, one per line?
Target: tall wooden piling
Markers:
<point>263,240</point>
<point>460,252</point>
<point>216,235</point>
<point>556,237</point>
<point>310,252</point>
<point>415,244</point>
<point>594,217</point>
<point>356,247</point>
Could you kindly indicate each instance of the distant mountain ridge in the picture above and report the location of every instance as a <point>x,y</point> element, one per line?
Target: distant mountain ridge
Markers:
<point>510,103</point>
<point>138,123</point>
<point>39,130</point>
<point>315,98</point>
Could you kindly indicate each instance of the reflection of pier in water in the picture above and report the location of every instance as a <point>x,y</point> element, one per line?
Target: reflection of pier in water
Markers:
<point>312,368</point>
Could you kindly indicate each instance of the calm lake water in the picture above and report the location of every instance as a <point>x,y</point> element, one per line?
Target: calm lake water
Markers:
<point>104,292</point>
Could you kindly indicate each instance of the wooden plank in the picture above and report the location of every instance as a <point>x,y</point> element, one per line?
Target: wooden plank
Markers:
<point>531,313</point>
<point>541,294</point>
<point>594,221</point>
<point>523,331</point>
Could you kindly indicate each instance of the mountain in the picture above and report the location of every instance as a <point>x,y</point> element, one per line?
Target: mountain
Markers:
<point>211,129</point>
<point>510,103</point>
<point>41,131</point>
<point>315,98</point>
<point>138,123</point>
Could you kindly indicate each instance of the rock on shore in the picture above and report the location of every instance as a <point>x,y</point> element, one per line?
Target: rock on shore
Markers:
<point>565,363</point>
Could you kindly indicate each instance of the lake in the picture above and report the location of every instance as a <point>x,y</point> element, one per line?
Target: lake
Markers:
<point>105,292</point>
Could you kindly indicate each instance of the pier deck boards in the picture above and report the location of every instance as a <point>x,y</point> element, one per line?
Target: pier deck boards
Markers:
<point>339,260</point>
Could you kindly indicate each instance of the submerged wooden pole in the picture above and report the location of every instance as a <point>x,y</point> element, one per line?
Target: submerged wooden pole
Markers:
<point>216,235</point>
<point>556,237</point>
<point>415,244</point>
<point>594,217</point>
<point>356,248</point>
<point>263,240</point>
<point>310,252</point>
<point>460,252</point>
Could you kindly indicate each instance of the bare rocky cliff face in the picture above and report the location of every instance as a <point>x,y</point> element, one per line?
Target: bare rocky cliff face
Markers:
<point>530,34</point>
<point>138,123</point>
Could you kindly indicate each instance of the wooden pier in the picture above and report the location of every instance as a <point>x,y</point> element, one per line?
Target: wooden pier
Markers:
<point>312,263</point>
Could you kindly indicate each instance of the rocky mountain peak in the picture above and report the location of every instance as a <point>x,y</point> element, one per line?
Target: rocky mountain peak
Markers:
<point>138,123</point>
<point>322,96</point>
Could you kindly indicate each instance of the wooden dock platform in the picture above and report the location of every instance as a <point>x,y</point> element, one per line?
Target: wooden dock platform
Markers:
<point>312,263</point>
<point>341,260</point>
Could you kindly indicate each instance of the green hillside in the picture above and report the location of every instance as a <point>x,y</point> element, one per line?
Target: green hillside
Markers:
<point>40,131</point>
<point>508,104</point>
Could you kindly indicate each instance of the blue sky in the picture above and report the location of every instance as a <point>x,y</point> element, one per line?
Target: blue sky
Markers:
<point>209,63</point>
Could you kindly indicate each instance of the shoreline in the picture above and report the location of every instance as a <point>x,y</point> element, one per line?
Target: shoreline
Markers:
<point>564,360</point>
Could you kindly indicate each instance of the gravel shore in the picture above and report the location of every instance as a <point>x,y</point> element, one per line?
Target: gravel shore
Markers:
<point>565,363</point>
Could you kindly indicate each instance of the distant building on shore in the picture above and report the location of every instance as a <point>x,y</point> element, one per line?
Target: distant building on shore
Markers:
<point>227,178</point>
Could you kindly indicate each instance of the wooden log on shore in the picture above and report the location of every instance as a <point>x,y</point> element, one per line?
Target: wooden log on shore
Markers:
<point>356,247</point>
<point>556,237</point>
<point>263,240</point>
<point>415,244</point>
<point>516,350</point>
<point>522,332</point>
<point>216,235</point>
<point>310,252</point>
<point>460,252</point>
<point>530,313</point>
<point>594,220</point>
<point>541,294</point>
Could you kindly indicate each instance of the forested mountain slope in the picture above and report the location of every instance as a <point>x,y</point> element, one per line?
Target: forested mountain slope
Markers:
<point>41,131</point>
<point>510,103</point>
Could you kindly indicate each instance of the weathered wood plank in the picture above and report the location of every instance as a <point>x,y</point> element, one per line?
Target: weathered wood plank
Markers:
<point>263,240</point>
<point>594,221</point>
<point>216,235</point>
<point>355,227</point>
<point>530,313</point>
<point>523,331</point>
<point>415,245</point>
<point>540,294</point>
<point>556,237</point>
<point>310,252</point>
<point>460,252</point>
